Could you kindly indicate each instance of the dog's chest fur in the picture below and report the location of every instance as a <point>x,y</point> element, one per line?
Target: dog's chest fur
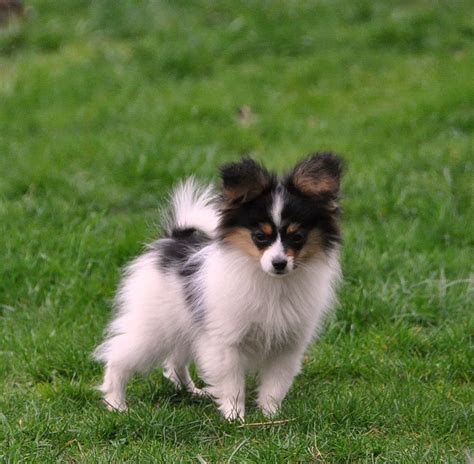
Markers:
<point>261,340</point>
<point>271,325</point>
<point>258,313</point>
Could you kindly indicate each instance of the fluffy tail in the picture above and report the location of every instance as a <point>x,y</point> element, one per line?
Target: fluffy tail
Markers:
<point>191,207</point>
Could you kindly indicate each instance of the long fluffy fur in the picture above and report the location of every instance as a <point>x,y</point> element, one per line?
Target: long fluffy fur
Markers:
<point>211,303</point>
<point>192,206</point>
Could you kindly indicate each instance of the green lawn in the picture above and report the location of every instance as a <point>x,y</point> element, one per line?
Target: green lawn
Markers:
<point>105,104</point>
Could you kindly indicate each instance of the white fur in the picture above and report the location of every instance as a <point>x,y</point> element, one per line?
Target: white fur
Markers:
<point>273,253</point>
<point>192,205</point>
<point>277,208</point>
<point>252,321</point>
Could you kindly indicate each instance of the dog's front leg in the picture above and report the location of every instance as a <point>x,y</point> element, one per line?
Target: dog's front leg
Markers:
<point>275,380</point>
<point>222,369</point>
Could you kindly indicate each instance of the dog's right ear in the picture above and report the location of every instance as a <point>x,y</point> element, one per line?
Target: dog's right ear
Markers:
<point>244,180</point>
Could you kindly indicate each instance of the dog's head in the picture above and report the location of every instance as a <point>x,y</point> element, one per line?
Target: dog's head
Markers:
<point>283,222</point>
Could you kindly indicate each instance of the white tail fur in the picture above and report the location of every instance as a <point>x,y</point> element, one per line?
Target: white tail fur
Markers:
<point>192,206</point>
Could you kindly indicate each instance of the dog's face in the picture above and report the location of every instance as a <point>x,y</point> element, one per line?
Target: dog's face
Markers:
<point>282,222</point>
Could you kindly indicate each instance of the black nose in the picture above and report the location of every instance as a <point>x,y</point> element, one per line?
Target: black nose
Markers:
<point>279,264</point>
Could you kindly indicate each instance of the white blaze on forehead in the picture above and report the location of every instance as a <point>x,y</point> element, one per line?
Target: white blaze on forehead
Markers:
<point>276,251</point>
<point>277,206</point>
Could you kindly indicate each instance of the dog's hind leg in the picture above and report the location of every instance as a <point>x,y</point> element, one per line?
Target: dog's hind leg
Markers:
<point>123,356</point>
<point>175,369</point>
<point>113,387</point>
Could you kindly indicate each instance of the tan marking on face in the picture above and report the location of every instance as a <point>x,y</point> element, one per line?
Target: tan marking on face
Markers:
<point>241,238</point>
<point>291,253</point>
<point>292,228</point>
<point>266,228</point>
<point>313,246</point>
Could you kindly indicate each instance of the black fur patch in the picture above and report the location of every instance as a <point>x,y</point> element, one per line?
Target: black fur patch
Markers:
<point>175,252</point>
<point>248,215</point>
<point>312,213</point>
<point>183,233</point>
<point>175,255</point>
<point>245,180</point>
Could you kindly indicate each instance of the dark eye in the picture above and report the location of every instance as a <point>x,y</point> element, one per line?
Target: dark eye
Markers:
<point>260,237</point>
<point>297,237</point>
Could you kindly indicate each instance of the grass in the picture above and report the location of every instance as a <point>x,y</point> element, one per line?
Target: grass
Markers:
<point>104,104</point>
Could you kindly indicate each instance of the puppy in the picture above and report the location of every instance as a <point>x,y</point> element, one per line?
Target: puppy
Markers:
<point>240,283</point>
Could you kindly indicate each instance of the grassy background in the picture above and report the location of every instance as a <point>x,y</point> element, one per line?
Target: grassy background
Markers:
<point>104,104</point>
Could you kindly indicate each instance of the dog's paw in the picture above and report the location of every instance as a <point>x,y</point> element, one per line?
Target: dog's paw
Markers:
<point>200,392</point>
<point>269,408</point>
<point>114,404</point>
<point>233,413</point>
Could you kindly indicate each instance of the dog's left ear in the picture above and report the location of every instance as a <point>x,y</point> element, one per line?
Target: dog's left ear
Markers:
<point>318,175</point>
<point>244,180</point>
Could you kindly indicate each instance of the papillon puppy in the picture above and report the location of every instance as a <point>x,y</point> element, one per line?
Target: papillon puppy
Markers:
<point>240,283</point>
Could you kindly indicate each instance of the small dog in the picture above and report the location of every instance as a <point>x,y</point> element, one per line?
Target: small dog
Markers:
<point>240,283</point>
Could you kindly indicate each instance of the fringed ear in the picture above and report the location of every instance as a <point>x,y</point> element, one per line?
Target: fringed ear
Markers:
<point>319,175</point>
<point>245,180</point>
